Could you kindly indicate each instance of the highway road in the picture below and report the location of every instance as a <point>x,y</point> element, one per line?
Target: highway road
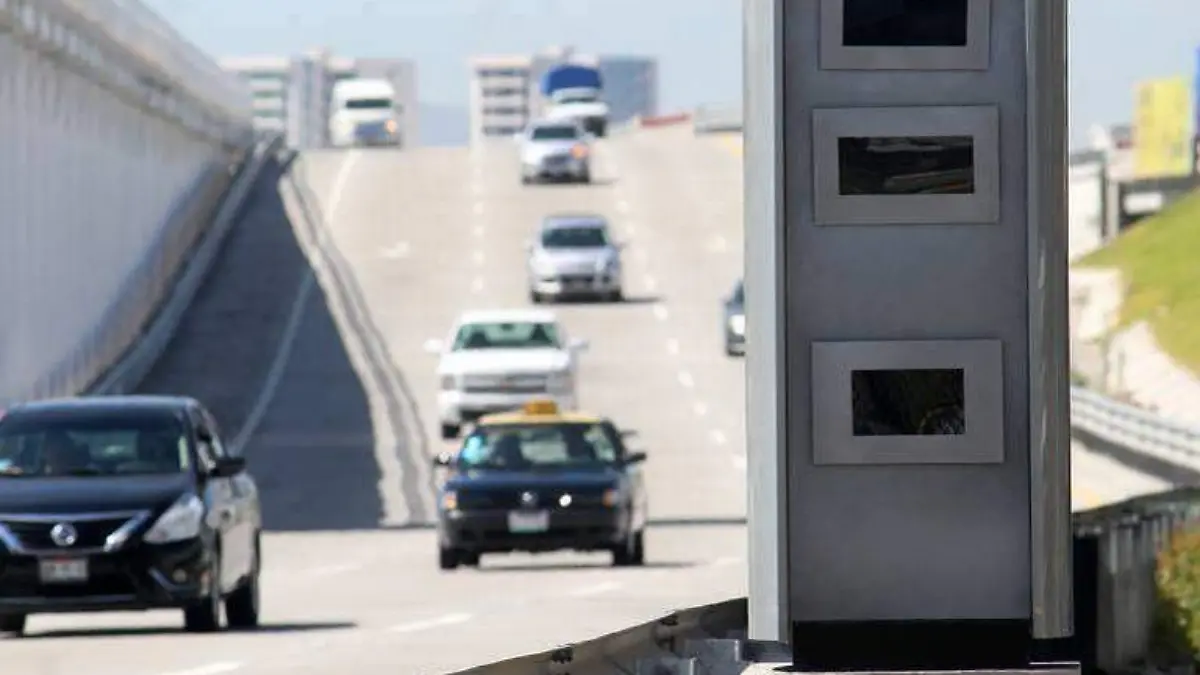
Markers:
<point>307,343</point>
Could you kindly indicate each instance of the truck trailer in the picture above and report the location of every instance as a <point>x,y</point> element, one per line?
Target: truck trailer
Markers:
<point>574,91</point>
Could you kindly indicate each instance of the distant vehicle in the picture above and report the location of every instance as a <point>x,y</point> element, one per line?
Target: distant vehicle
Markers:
<point>734,320</point>
<point>496,360</point>
<point>125,503</point>
<point>574,255</point>
<point>541,480</point>
<point>555,150</point>
<point>575,92</point>
<point>364,112</point>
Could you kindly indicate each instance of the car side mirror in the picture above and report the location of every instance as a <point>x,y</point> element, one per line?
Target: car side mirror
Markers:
<point>629,433</point>
<point>228,467</point>
<point>443,459</point>
<point>635,458</point>
<point>578,344</point>
<point>434,346</point>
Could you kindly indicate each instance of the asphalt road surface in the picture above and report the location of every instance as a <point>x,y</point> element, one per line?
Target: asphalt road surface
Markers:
<point>307,343</point>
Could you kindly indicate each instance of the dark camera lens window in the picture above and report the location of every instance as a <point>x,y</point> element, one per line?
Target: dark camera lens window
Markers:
<point>904,23</point>
<point>913,165</point>
<point>908,402</point>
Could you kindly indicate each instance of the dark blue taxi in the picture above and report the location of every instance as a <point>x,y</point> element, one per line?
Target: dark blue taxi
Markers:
<point>540,480</point>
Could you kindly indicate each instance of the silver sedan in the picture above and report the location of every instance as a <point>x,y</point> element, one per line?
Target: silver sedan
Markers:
<point>574,255</point>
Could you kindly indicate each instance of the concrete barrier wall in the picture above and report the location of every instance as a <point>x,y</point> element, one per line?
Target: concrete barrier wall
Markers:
<point>117,142</point>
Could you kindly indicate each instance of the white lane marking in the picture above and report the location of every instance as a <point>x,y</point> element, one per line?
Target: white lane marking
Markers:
<point>478,209</point>
<point>685,378</point>
<point>332,570</point>
<point>630,229</point>
<point>724,561</point>
<point>477,285</point>
<point>673,347</point>
<point>594,590</point>
<point>623,206</point>
<point>400,250</point>
<point>718,244</point>
<point>739,462</point>
<point>416,626</point>
<point>477,230</point>
<point>700,409</point>
<point>477,257</point>
<point>641,256</point>
<point>650,283</point>
<point>287,341</point>
<point>210,669</point>
<point>717,437</point>
<point>660,312</point>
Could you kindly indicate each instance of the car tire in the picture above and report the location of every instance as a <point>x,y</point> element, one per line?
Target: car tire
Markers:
<point>616,296</point>
<point>448,559</point>
<point>585,177</point>
<point>450,431</point>
<point>632,553</point>
<point>469,559</point>
<point>535,297</point>
<point>526,180</point>
<point>13,623</point>
<point>204,616</point>
<point>242,606</point>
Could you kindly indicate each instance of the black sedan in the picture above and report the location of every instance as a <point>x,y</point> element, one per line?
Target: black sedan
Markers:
<point>538,483</point>
<point>734,320</point>
<point>125,503</point>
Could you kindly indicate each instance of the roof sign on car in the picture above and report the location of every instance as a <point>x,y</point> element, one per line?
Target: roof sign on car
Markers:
<point>540,407</point>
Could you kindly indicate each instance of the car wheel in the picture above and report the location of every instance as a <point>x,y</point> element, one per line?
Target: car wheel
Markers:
<point>13,623</point>
<point>241,607</point>
<point>469,559</point>
<point>449,431</point>
<point>585,177</point>
<point>632,553</point>
<point>204,616</point>
<point>535,297</point>
<point>448,558</point>
<point>616,296</point>
<point>526,180</point>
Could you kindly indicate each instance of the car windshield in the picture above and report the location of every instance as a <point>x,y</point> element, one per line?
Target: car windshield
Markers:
<point>507,335</point>
<point>554,133</point>
<point>368,104</point>
<point>577,98</point>
<point>92,445</point>
<point>535,447</point>
<point>586,236</point>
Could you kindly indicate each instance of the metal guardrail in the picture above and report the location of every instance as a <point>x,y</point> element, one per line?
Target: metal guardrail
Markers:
<point>662,640</point>
<point>1135,429</point>
<point>711,119</point>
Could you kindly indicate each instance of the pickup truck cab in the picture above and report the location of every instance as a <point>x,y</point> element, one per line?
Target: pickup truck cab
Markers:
<point>499,360</point>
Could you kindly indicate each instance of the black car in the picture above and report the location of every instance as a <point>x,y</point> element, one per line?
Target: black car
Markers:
<point>734,320</point>
<point>125,503</point>
<point>541,483</point>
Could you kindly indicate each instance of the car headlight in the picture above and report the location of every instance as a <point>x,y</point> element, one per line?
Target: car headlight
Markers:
<point>449,382</point>
<point>450,501</point>
<point>182,521</point>
<point>608,265</point>
<point>611,498</point>
<point>737,323</point>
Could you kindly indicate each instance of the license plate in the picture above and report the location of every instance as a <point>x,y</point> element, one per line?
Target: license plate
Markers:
<point>63,570</point>
<point>527,522</point>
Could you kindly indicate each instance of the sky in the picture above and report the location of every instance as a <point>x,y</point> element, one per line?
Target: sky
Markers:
<point>1114,43</point>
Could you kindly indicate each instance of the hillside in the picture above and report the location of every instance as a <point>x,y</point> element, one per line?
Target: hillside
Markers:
<point>1159,259</point>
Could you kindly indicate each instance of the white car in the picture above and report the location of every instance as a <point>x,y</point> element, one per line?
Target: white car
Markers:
<point>497,360</point>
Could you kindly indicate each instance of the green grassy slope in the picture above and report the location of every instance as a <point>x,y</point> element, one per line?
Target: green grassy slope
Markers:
<point>1160,264</point>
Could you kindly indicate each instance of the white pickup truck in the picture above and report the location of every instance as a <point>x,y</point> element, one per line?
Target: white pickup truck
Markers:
<point>498,360</point>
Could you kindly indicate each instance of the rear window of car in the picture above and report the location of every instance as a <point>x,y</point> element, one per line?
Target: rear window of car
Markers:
<point>554,133</point>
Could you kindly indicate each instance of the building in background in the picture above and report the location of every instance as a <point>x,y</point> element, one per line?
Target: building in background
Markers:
<point>504,90</point>
<point>292,94</point>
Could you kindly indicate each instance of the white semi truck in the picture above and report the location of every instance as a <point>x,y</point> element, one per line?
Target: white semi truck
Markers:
<point>364,113</point>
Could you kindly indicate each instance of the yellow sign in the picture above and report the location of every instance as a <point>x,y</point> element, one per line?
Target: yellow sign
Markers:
<point>1163,129</point>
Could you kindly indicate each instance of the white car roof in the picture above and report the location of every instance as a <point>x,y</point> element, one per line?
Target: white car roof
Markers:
<point>507,315</point>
